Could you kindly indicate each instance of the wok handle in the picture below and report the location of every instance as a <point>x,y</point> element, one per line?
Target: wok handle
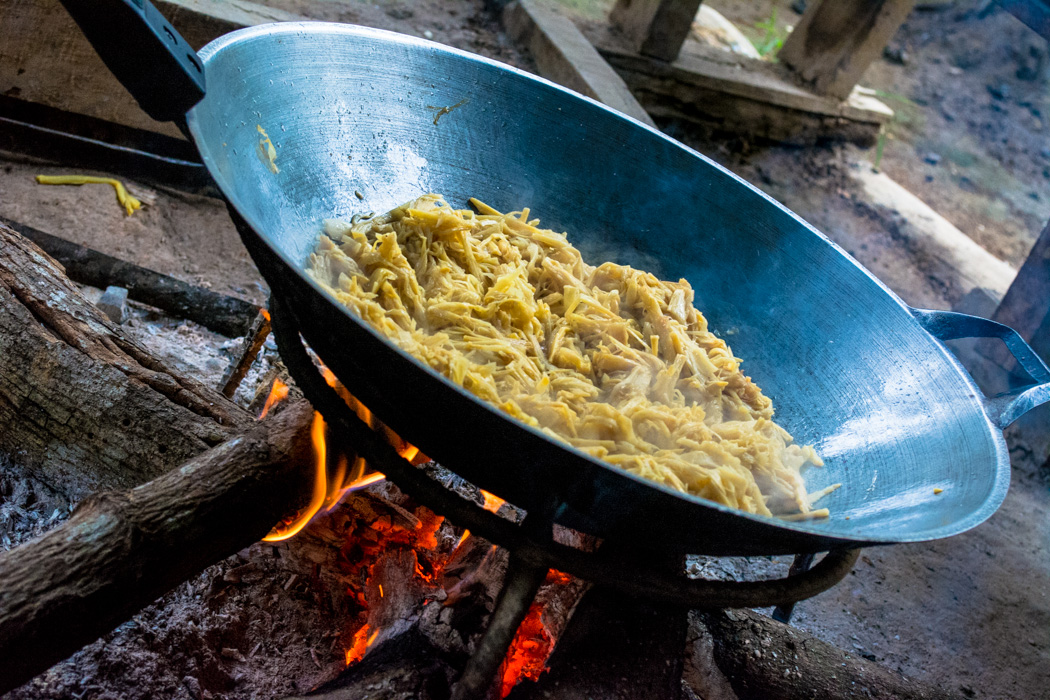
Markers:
<point>1003,409</point>
<point>145,53</point>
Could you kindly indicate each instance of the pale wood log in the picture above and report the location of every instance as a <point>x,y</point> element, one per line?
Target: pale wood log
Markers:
<point>83,406</point>
<point>656,28</point>
<point>119,551</point>
<point>563,54</point>
<point>836,41</point>
<point>46,59</point>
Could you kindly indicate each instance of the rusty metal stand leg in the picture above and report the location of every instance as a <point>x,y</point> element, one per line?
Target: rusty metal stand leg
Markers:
<point>519,590</point>
<point>782,613</point>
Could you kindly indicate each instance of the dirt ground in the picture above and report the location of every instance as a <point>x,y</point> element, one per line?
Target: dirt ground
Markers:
<point>969,84</point>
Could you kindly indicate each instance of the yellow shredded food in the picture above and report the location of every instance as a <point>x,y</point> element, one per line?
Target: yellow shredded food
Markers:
<point>608,359</point>
<point>126,200</point>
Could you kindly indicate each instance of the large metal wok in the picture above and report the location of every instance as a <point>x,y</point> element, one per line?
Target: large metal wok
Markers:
<point>363,120</point>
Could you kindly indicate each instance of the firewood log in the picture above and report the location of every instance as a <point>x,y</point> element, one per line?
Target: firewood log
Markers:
<point>762,658</point>
<point>120,551</point>
<point>83,406</point>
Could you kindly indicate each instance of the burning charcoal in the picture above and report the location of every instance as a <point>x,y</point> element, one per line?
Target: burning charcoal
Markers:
<point>114,303</point>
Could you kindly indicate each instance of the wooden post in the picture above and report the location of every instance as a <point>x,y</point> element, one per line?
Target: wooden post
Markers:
<point>1026,306</point>
<point>656,28</point>
<point>836,40</point>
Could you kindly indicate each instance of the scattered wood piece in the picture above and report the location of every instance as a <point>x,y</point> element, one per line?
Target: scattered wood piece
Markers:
<point>83,406</point>
<point>656,28</point>
<point>836,41</point>
<point>223,314</point>
<point>121,550</point>
<point>765,659</point>
<point>564,55</point>
<point>242,360</point>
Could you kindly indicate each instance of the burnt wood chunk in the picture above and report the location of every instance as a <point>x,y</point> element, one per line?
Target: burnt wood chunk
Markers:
<point>83,406</point>
<point>836,40</point>
<point>616,646</point>
<point>656,28</point>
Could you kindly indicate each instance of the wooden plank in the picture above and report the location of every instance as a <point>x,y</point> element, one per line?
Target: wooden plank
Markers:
<point>45,59</point>
<point>564,55</point>
<point>836,40</point>
<point>1026,306</point>
<point>656,28</point>
<point>732,94</point>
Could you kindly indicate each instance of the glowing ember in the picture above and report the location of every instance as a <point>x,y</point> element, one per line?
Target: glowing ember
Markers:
<point>492,502</point>
<point>528,653</point>
<point>285,530</point>
<point>278,393</point>
<point>533,643</point>
<point>360,645</point>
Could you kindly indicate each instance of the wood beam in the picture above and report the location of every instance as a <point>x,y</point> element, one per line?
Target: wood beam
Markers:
<point>836,40</point>
<point>656,28</point>
<point>564,55</point>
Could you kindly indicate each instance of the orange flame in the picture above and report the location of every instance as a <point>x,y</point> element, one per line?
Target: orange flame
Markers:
<point>284,531</point>
<point>278,392</point>
<point>329,491</point>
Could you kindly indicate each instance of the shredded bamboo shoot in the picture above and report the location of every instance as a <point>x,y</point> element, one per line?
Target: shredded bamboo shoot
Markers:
<point>608,359</point>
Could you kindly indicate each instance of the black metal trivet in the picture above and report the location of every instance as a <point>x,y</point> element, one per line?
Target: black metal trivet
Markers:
<point>533,550</point>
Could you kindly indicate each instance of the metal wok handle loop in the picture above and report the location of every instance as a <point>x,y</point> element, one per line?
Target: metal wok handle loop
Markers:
<point>1003,409</point>
<point>145,53</point>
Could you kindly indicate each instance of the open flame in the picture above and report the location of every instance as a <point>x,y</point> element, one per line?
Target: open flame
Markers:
<point>330,487</point>
<point>289,528</point>
<point>533,642</point>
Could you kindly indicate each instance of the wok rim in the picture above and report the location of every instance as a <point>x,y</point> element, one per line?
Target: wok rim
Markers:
<point>987,508</point>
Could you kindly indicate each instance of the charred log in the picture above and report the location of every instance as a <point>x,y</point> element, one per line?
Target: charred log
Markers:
<point>223,314</point>
<point>761,658</point>
<point>83,406</point>
<point>121,550</point>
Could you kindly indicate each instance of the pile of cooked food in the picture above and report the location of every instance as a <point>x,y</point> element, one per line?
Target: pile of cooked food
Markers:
<point>608,359</point>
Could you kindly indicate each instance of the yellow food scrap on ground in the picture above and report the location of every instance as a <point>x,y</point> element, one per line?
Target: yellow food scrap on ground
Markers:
<point>126,200</point>
<point>937,491</point>
<point>608,359</point>
<point>267,152</point>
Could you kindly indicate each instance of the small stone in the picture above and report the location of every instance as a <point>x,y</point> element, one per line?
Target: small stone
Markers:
<point>1000,91</point>
<point>895,54</point>
<point>427,34</point>
<point>799,7</point>
<point>932,158</point>
<point>114,303</point>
